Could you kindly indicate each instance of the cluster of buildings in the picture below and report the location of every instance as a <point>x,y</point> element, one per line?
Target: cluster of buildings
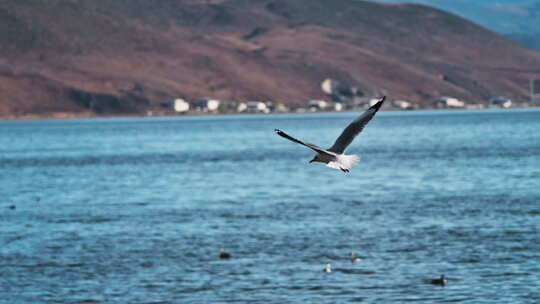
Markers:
<point>210,105</point>
<point>454,103</point>
<point>340,97</point>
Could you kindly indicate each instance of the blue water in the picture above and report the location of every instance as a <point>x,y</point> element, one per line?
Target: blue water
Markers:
<point>135,210</point>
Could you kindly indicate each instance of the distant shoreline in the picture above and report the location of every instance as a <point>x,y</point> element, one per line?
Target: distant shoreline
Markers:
<point>69,116</point>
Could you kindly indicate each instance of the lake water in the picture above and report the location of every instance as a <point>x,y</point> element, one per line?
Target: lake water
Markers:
<point>135,210</point>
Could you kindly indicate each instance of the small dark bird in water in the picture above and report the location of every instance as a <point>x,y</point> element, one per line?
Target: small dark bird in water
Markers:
<point>443,281</point>
<point>38,199</point>
<point>223,254</point>
<point>12,207</point>
<point>354,258</point>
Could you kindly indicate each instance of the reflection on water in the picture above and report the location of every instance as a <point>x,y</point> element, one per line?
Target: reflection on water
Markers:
<point>135,210</point>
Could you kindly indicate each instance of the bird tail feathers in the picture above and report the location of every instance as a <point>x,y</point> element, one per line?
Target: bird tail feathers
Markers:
<point>344,162</point>
<point>348,161</point>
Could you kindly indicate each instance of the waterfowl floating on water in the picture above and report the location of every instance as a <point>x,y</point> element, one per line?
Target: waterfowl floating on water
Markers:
<point>328,268</point>
<point>354,258</point>
<point>443,281</point>
<point>223,254</point>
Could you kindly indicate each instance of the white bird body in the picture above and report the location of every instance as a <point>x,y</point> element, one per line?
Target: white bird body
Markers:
<point>342,161</point>
<point>333,157</point>
<point>328,268</point>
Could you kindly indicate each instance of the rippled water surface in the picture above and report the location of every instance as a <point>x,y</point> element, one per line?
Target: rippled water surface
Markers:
<point>135,210</point>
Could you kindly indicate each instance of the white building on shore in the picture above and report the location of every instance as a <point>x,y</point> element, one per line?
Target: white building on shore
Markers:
<point>501,101</point>
<point>206,105</point>
<point>317,105</point>
<point>450,102</point>
<point>402,104</point>
<point>180,105</point>
<point>257,107</point>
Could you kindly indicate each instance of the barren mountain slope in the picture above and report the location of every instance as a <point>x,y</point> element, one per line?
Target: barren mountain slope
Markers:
<point>125,56</point>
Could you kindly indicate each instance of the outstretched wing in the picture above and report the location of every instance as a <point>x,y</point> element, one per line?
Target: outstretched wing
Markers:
<point>355,127</point>
<point>309,145</point>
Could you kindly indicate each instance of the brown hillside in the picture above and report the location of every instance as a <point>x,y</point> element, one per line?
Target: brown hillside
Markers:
<point>125,56</point>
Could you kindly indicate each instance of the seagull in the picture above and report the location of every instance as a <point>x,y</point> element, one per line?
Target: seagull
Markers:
<point>443,281</point>
<point>328,268</point>
<point>333,157</point>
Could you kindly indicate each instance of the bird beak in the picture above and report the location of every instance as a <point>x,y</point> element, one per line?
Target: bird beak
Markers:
<point>311,161</point>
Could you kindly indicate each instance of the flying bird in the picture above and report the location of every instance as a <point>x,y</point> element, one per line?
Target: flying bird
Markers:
<point>333,157</point>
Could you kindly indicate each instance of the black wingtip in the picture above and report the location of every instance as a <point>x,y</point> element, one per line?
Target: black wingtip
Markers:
<point>378,104</point>
<point>279,132</point>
